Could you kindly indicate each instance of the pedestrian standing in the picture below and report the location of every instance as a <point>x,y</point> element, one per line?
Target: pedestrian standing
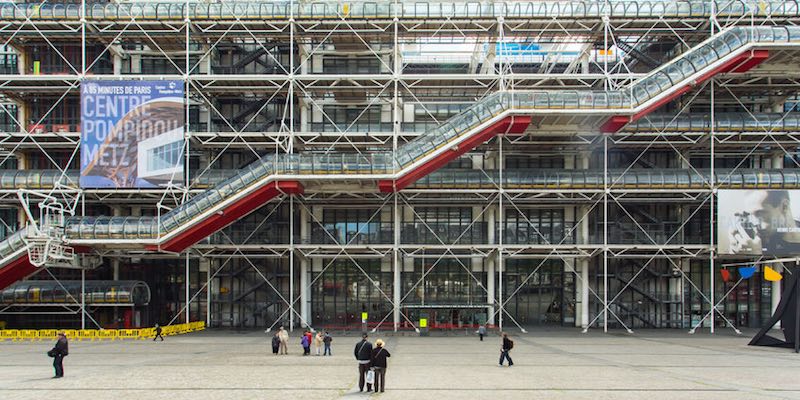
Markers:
<point>284,337</point>
<point>310,337</point>
<point>158,333</point>
<point>327,341</point>
<point>482,331</point>
<point>318,342</point>
<point>508,344</point>
<point>58,352</point>
<point>363,354</point>
<point>378,361</point>
<point>306,344</point>
<point>276,343</point>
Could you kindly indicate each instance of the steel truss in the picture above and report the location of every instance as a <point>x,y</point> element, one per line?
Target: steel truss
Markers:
<point>301,102</point>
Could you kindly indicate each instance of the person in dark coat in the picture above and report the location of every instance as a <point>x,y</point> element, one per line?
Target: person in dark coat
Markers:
<point>508,344</point>
<point>379,356</point>
<point>327,342</point>
<point>276,343</point>
<point>158,333</point>
<point>363,354</point>
<point>58,352</point>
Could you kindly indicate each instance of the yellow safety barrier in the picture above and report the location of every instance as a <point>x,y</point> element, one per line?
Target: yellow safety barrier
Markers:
<point>8,334</point>
<point>107,334</point>
<point>128,333</point>
<point>70,333</point>
<point>48,334</point>
<point>102,334</point>
<point>86,334</point>
<point>28,334</point>
<point>146,333</point>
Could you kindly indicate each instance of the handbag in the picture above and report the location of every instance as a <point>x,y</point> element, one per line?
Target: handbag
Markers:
<point>51,353</point>
<point>370,377</point>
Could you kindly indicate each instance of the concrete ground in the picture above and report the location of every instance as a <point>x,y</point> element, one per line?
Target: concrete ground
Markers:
<point>549,364</point>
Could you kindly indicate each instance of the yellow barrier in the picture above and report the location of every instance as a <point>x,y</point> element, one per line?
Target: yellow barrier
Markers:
<point>107,334</point>
<point>146,333</point>
<point>70,333</point>
<point>102,334</point>
<point>8,334</point>
<point>86,334</point>
<point>28,334</point>
<point>128,334</point>
<point>48,334</point>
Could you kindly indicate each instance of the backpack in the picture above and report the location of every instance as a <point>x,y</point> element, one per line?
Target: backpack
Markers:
<point>510,344</point>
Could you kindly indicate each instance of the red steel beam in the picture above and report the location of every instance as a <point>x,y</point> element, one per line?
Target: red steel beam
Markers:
<point>742,63</point>
<point>16,270</point>
<point>227,216</point>
<point>510,125</point>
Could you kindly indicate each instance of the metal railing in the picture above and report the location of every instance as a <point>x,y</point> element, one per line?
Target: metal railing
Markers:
<point>283,10</point>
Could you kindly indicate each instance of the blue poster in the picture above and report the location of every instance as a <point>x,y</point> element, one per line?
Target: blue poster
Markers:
<point>132,134</point>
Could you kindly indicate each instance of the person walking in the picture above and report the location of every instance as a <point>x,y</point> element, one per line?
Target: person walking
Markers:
<point>58,352</point>
<point>158,333</point>
<point>276,343</point>
<point>327,341</point>
<point>363,354</point>
<point>378,361</point>
<point>482,331</point>
<point>508,344</point>
<point>318,342</point>
<point>284,338</point>
<point>306,344</point>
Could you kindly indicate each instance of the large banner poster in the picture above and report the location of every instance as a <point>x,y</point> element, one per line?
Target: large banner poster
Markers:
<point>759,222</point>
<point>132,133</point>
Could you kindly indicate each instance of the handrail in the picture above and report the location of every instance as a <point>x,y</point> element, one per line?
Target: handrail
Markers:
<point>283,10</point>
<point>638,95</point>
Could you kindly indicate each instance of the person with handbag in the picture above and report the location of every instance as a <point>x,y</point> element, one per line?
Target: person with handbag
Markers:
<point>363,354</point>
<point>276,343</point>
<point>379,356</point>
<point>58,352</point>
<point>508,344</point>
<point>283,335</point>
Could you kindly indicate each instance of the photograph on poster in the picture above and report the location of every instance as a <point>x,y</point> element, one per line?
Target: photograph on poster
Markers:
<point>758,222</point>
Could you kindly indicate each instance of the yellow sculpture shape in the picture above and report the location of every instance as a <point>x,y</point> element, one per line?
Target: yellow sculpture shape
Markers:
<point>772,275</point>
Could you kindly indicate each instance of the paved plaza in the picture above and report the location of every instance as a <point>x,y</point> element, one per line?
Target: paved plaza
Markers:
<point>549,364</point>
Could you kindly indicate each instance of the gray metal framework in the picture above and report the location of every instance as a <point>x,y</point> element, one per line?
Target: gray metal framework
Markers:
<point>593,66</point>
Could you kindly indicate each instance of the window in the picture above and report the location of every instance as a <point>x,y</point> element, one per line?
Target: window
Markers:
<point>166,156</point>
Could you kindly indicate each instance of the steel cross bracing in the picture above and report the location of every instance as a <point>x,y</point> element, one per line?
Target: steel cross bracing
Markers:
<point>170,37</point>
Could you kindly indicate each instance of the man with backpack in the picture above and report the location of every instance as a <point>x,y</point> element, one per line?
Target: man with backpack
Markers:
<point>58,352</point>
<point>508,344</point>
<point>363,354</point>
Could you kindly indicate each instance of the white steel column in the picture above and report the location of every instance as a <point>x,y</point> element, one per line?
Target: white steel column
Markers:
<point>187,288</point>
<point>490,265</point>
<point>583,319</point>
<point>396,264</point>
<point>775,295</point>
<point>209,289</point>
<point>83,298</point>
<point>305,290</point>
<point>775,291</point>
<point>583,238</point>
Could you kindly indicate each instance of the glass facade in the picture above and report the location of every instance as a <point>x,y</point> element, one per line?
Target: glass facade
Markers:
<point>343,291</point>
